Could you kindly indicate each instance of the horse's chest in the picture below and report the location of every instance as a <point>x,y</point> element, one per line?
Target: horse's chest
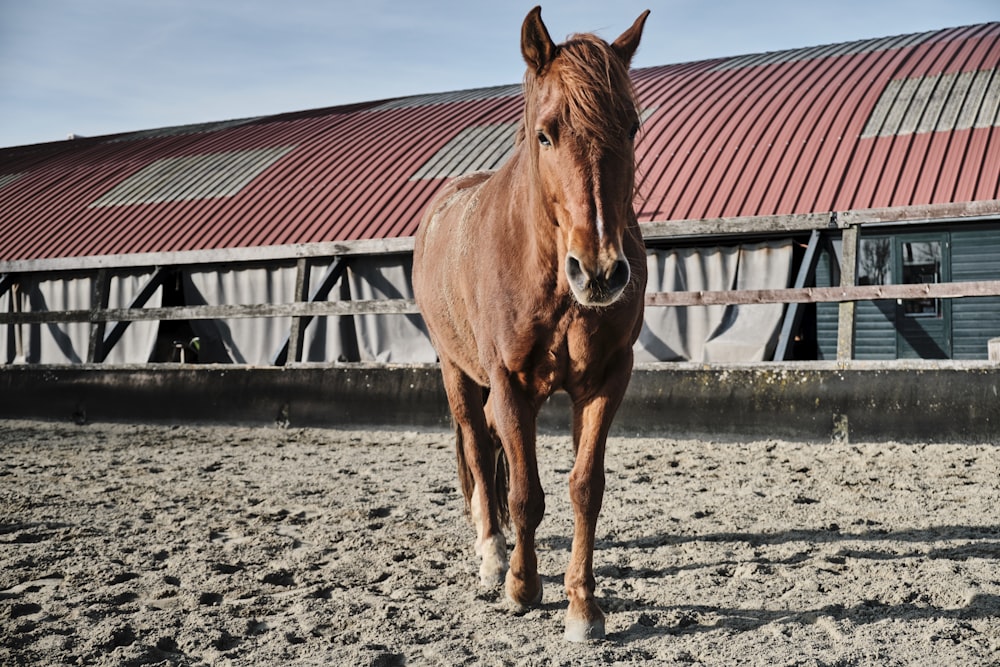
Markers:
<point>540,356</point>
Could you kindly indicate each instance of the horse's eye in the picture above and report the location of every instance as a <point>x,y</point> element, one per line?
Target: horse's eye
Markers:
<point>543,139</point>
<point>634,130</point>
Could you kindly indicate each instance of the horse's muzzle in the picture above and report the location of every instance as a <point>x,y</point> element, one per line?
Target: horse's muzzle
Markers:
<point>600,287</point>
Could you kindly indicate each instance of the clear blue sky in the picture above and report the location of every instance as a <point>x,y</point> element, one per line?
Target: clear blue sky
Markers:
<point>94,67</point>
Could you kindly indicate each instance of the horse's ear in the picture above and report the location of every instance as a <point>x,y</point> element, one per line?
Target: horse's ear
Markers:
<point>627,43</point>
<point>537,47</point>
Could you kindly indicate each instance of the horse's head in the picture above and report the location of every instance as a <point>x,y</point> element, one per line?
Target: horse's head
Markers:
<point>580,121</point>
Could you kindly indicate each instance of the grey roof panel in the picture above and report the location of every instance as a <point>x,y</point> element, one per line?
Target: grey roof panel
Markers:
<point>192,177</point>
<point>178,130</point>
<point>7,179</point>
<point>936,103</point>
<point>473,149</point>
<point>989,112</point>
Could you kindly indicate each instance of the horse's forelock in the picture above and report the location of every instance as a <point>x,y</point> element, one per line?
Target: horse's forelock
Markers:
<point>595,85</point>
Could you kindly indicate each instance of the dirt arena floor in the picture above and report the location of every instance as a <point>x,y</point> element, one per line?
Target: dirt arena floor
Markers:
<point>157,545</point>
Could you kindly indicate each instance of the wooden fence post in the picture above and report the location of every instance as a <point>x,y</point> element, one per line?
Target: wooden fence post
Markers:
<point>98,302</point>
<point>296,336</point>
<point>848,278</point>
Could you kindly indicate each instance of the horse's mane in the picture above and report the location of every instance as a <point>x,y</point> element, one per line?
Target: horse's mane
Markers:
<point>596,85</point>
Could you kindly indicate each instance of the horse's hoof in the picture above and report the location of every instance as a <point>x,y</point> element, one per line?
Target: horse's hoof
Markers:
<point>580,630</point>
<point>490,575</point>
<point>519,597</point>
<point>494,565</point>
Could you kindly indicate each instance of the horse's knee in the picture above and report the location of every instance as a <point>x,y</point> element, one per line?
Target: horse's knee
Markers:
<point>527,505</point>
<point>586,490</point>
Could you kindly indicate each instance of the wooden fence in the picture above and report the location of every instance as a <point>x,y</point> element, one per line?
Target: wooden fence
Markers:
<point>845,226</point>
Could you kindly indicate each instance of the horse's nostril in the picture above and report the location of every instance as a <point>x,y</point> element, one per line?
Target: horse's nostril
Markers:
<point>618,276</point>
<point>575,272</point>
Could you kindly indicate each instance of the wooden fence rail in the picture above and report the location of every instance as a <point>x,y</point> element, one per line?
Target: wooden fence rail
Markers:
<point>409,306</point>
<point>227,311</point>
<point>827,294</point>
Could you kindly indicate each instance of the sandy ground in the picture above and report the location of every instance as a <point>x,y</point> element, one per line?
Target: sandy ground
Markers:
<point>133,545</point>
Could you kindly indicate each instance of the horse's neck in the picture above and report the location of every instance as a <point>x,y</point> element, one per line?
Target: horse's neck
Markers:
<point>541,240</point>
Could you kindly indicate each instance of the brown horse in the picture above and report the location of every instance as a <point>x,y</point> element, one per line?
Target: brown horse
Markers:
<point>531,280</point>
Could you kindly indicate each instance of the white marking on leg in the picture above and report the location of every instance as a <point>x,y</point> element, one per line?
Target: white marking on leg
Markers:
<point>580,630</point>
<point>494,552</point>
<point>492,549</point>
<point>476,508</point>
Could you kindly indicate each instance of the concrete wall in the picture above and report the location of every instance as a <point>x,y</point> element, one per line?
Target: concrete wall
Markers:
<point>812,401</point>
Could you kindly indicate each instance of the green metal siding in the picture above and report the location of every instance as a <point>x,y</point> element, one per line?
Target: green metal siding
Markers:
<point>975,255</point>
<point>874,335</point>
<point>875,330</point>
<point>826,313</point>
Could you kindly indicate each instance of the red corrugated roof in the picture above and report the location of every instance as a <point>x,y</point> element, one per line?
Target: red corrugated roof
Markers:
<point>892,122</point>
<point>775,136</point>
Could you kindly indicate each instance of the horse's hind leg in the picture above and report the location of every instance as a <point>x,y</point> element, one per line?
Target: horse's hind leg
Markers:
<point>476,456</point>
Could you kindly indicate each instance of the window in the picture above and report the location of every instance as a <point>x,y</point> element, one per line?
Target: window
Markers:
<point>921,263</point>
<point>875,262</point>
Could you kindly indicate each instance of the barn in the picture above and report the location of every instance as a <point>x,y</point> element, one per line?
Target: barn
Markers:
<point>825,206</point>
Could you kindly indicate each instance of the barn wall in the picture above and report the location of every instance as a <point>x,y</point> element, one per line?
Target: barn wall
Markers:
<point>256,341</point>
<point>697,333</point>
<point>974,256</point>
<point>810,401</point>
<point>251,341</point>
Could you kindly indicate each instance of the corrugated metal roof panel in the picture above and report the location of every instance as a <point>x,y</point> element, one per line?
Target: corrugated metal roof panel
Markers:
<point>896,121</point>
<point>196,128</point>
<point>989,108</point>
<point>783,133</point>
<point>192,177</point>
<point>6,179</point>
<point>472,149</point>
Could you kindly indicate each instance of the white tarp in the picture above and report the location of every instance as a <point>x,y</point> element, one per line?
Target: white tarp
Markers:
<point>329,338</point>
<point>136,344</point>
<point>67,342</point>
<point>241,340</point>
<point>702,333</point>
<point>735,333</point>
<point>388,338</point>
<point>369,338</point>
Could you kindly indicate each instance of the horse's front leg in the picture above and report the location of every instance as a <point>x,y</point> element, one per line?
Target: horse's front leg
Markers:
<point>512,416</point>
<point>591,422</point>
